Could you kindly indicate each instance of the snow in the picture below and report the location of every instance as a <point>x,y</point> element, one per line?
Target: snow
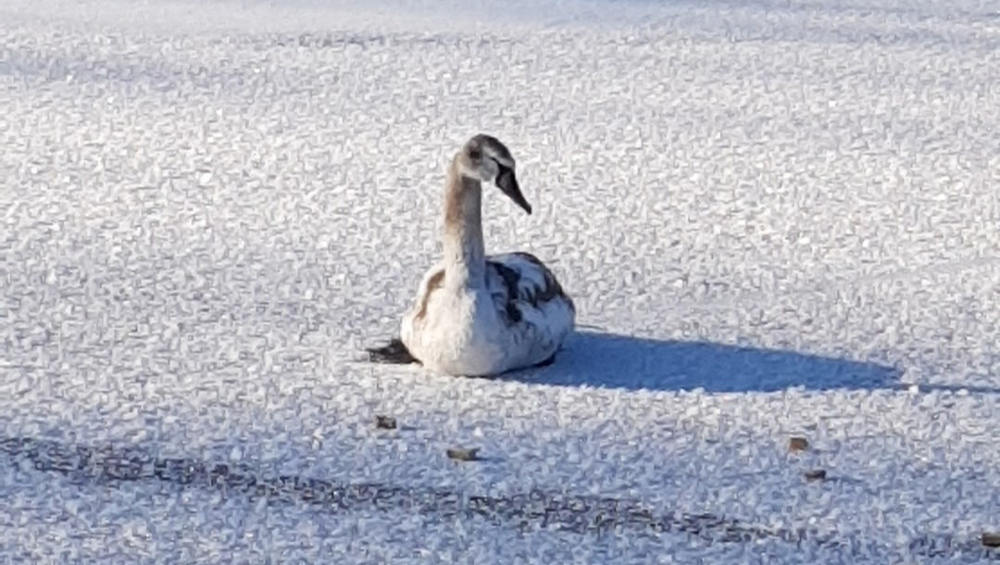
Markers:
<point>776,219</point>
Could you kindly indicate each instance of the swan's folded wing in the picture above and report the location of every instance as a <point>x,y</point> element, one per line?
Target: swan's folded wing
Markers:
<point>518,281</point>
<point>432,281</point>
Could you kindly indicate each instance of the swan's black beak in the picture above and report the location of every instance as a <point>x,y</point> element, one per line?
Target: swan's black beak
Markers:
<point>507,182</point>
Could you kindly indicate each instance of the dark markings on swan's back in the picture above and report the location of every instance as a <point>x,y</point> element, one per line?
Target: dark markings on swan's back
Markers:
<point>552,287</point>
<point>510,280</point>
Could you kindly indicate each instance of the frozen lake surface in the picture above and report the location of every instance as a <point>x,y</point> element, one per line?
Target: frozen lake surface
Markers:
<point>777,219</point>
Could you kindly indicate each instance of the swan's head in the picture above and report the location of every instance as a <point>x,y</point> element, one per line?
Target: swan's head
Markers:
<point>486,159</point>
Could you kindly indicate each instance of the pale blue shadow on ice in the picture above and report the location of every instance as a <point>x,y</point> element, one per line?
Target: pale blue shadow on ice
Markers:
<point>618,361</point>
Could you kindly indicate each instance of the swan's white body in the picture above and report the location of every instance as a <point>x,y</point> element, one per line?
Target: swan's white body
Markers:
<point>477,315</point>
<point>515,317</point>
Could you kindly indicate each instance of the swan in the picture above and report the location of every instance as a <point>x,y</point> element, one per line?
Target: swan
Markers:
<point>479,315</point>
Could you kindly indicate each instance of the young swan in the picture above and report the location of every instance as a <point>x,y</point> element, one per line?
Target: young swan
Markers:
<point>481,315</point>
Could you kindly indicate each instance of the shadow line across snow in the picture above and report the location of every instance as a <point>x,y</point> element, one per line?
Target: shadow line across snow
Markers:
<point>618,361</point>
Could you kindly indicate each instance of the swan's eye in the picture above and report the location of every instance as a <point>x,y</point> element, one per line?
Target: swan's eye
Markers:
<point>475,154</point>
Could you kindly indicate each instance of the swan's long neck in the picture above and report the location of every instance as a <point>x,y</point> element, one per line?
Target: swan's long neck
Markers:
<point>464,252</point>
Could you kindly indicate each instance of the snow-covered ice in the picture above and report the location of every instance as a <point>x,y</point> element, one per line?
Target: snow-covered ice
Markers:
<point>777,218</point>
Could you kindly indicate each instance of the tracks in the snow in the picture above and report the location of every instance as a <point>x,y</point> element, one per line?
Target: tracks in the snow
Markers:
<point>532,509</point>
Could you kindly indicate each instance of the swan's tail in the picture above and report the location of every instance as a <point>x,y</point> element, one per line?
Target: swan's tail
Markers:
<point>393,352</point>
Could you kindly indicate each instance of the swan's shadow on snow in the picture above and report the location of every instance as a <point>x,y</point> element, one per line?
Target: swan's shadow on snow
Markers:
<point>618,361</point>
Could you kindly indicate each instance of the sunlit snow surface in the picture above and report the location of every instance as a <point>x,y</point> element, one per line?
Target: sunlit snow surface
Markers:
<point>777,218</point>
